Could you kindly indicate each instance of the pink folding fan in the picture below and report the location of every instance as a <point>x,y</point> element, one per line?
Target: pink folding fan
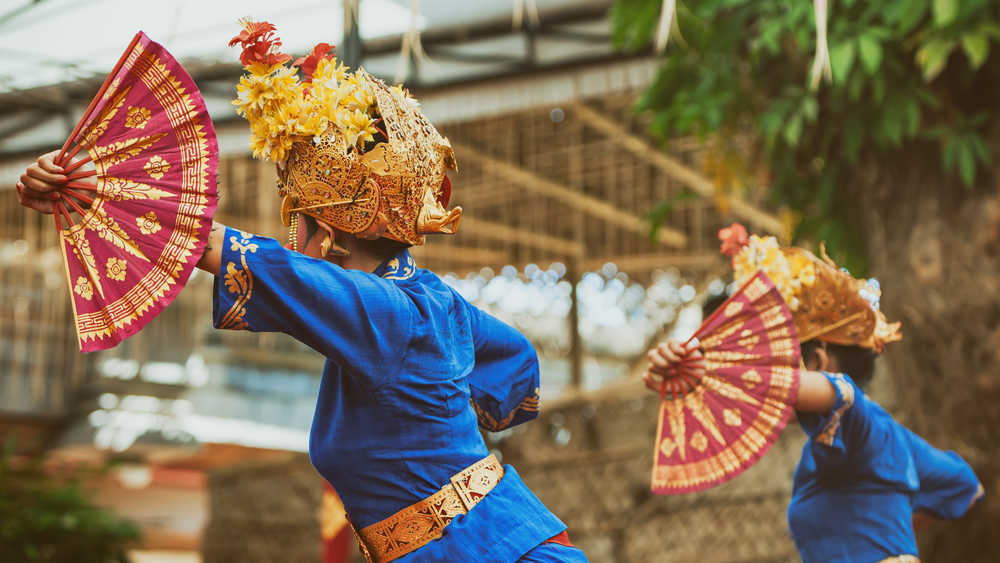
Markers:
<point>712,428</point>
<point>131,238</point>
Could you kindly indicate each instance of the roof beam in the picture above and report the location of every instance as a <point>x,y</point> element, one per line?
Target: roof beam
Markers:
<point>498,231</point>
<point>675,169</point>
<point>587,204</point>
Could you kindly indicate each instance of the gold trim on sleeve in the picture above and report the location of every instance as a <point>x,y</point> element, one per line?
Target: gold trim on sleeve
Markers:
<point>528,404</point>
<point>239,280</point>
<point>847,393</point>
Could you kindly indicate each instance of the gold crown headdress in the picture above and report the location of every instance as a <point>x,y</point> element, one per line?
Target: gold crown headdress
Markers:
<point>827,303</point>
<point>315,131</point>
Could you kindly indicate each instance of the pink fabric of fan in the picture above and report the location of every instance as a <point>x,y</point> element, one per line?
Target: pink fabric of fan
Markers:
<point>132,239</point>
<point>737,410</point>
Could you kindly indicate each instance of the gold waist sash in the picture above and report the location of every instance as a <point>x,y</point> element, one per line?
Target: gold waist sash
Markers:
<point>424,521</point>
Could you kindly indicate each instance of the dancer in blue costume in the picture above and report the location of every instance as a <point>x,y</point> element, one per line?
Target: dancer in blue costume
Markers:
<point>412,369</point>
<point>863,479</point>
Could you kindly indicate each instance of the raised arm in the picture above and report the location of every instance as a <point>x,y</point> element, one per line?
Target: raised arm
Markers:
<point>212,257</point>
<point>505,381</point>
<point>816,393</point>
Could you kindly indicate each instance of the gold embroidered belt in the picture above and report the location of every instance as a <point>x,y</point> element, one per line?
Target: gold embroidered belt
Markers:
<point>901,559</point>
<point>424,521</point>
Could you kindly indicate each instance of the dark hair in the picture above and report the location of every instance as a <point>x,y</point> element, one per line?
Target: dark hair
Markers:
<point>855,361</point>
<point>712,303</point>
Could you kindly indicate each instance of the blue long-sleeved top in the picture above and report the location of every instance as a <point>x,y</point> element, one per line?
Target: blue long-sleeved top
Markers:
<point>412,369</point>
<point>861,477</point>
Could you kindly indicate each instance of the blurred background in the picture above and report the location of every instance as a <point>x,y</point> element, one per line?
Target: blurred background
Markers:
<point>601,146</point>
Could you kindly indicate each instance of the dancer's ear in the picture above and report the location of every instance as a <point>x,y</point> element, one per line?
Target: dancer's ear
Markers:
<point>327,238</point>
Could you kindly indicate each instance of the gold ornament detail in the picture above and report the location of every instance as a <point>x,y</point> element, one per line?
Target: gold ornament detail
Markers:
<point>107,156</point>
<point>116,269</point>
<point>137,117</point>
<point>156,167</point>
<point>699,441</point>
<point>751,378</point>
<point>148,224</point>
<point>732,417</point>
<point>83,288</point>
<point>99,126</point>
<point>667,446</point>
<point>120,189</point>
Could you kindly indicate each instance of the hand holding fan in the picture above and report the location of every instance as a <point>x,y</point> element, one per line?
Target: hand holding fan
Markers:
<point>714,426</point>
<point>131,239</point>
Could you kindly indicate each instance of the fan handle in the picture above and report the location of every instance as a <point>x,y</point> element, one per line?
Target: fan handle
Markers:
<point>681,372</point>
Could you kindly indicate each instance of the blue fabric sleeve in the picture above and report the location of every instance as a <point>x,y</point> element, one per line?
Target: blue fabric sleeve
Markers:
<point>504,381</point>
<point>356,319</point>
<point>835,432</point>
<point>948,485</point>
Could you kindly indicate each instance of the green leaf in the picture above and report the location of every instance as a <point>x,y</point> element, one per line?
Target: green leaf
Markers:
<point>841,60</point>
<point>793,130</point>
<point>810,108</point>
<point>980,148</point>
<point>976,46</point>
<point>945,12</point>
<point>871,52</point>
<point>912,12</point>
<point>966,164</point>
<point>932,57</point>
<point>949,150</point>
<point>878,89</point>
<point>912,111</point>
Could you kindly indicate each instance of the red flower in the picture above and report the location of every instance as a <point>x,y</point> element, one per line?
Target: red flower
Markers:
<point>734,238</point>
<point>263,52</point>
<point>252,31</point>
<point>322,51</point>
<point>260,45</point>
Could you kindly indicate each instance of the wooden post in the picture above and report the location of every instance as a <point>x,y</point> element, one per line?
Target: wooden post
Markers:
<point>575,261</point>
<point>575,342</point>
<point>350,50</point>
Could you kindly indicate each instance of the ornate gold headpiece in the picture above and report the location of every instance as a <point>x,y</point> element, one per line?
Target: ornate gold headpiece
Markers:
<point>827,303</point>
<point>316,131</point>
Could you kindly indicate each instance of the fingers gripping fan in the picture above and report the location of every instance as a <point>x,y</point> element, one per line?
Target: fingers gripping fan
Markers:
<point>735,412</point>
<point>131,239</point>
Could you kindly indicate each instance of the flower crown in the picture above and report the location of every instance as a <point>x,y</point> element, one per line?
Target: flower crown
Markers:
<point>282,108</point>
<point>827,303</point>
<point>321,132</point>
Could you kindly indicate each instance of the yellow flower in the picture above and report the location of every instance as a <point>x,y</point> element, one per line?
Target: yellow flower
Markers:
<point>148,224</point>
<point>83,288</point>
<point>156,167</point>
<point>137,117</point>
<point>765,254</point>
<point>116,269</point>
<point>356,126</point>
<point>803,270</point>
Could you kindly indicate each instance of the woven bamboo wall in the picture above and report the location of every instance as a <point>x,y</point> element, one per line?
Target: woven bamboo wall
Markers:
<point>39,361</point>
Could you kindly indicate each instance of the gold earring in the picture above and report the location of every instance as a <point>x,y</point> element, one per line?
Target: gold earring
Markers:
<point>324,247</point>
<point>293,232</point>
